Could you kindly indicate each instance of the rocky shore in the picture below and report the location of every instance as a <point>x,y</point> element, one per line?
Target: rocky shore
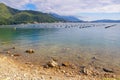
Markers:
<point>11,68</point>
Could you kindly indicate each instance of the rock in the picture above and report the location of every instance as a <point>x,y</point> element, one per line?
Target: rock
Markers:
<point>12,55</point>
<point>108,70</point>
<point>78,57</point>
<point>52,63</point>
<point>94,58</point>
<point>42,77</point>
<point>8,52</point>
<point>16,55</point>
<point>109,75</point>
<point>66,64</point>
<point>13,48</point>
<point>30,51</point>
<point>89,70</point>
<point>45,66</point>
<point>50,77</point>
<point>63,71</point>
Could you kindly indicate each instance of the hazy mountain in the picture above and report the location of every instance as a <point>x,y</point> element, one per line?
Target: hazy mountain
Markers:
<point>67,18</point>
<point>106,21</point>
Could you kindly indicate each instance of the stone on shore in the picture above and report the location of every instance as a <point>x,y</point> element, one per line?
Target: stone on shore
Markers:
<point>16,55</point>
<point>94,58</point>
<point>89,70</point>
<point>30,51</point>
<point>13,47</point>
<point>52,63</point>
<point>8,52</point>
<point>66,64</point>
<point>108,70</point>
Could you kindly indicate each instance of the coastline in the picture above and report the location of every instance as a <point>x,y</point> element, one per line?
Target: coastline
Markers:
<point>56,40</point>
<point>25,57</point>
<point>12,68</point>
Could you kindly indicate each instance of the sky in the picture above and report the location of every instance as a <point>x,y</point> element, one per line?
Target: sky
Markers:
<point>83,9</point>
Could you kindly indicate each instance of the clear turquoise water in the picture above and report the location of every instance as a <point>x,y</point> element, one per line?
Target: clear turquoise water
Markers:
<point>66,41</point>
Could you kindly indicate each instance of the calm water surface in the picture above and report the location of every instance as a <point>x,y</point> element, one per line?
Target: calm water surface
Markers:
<point>65,41</point>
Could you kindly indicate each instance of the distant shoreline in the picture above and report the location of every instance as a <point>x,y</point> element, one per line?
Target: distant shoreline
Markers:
<point>62,23</point>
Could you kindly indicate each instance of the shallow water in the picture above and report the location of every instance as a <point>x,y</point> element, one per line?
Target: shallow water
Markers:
<point>76,42</point>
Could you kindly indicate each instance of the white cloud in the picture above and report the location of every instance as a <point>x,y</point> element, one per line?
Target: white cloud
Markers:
<point>111,8</point>
<point>68,7</point>
<point>72,7</point>
<point>18,4</point>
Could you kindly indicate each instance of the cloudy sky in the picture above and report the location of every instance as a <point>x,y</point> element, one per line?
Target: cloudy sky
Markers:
<point>83,9</point>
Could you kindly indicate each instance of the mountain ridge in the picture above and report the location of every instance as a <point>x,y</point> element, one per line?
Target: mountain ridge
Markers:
<point>67,18</point>
<point>106,21</point>
<point>10,15</point>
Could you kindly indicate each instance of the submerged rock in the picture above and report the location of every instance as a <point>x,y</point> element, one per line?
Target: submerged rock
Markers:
<point>13,47</point>
<point>3,43</point>
<point>30,51</point>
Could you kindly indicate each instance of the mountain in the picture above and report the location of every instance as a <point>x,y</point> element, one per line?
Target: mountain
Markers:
<point>107,21</point>
<point>66,18</point>
<point>10,15</point>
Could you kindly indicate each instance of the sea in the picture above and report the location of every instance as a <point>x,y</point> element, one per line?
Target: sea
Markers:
<point>78,43</point>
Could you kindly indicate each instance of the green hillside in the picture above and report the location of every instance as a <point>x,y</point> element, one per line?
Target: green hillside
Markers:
<point>13,16</point>
<point>4,12</point>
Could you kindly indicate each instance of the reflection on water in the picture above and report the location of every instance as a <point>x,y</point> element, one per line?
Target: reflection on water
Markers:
<point>64,40</point>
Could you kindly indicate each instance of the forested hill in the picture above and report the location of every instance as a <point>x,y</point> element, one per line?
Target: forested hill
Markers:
<point>10,15</point>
